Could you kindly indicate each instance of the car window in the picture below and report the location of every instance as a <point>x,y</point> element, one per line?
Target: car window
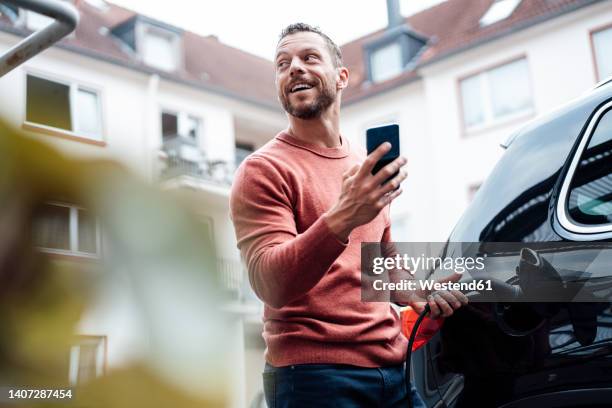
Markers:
<point>590,193</point>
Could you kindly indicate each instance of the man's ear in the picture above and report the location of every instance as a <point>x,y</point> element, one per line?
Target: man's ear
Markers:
<point>342,78</point>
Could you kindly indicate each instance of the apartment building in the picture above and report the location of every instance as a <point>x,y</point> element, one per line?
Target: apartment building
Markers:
<point>176,108</point>
<point>460,78</point>
<point>183,110</point>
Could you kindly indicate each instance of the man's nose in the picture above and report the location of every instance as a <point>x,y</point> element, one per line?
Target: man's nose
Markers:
<point>296,68</point>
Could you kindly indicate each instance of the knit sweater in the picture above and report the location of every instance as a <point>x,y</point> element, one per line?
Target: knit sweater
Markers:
<point>307,278</point>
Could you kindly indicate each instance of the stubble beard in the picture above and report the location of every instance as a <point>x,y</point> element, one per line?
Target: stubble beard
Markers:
<point>312,110</point>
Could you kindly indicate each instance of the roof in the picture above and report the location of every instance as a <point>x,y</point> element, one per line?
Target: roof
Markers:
<point>207,64</point>
<point>452,27</point>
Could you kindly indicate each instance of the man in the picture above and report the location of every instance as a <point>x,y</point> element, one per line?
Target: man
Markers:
<point>301,206</point>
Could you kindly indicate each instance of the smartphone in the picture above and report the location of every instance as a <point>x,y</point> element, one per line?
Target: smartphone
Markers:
<point>377,136</point>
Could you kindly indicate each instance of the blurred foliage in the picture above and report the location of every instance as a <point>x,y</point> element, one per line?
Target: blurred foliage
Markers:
<point>155,253</point>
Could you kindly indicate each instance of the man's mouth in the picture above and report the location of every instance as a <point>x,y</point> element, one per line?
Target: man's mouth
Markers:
<point>299,87</point>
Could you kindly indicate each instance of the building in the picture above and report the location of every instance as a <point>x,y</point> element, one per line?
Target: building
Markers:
<point>460,78</point>
<point>184,110</point>
<point>176,108</point>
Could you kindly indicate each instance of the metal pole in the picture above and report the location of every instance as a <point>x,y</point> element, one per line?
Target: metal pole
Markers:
<point>66,19</point>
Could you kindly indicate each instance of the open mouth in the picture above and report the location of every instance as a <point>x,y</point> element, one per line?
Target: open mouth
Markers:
<point>299,87</point>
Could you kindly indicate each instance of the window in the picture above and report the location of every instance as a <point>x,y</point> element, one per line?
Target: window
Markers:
<point>180,124</point>
<point>499,10</point>
<point>590,193</point>
<point>64,106</point>
<point>67,229</point>
<point>242,151</point>
<point>602,50</point>
<point>496,94</point>
<point>159,49</point>
<point>87,359</point>
<point>386,62</point>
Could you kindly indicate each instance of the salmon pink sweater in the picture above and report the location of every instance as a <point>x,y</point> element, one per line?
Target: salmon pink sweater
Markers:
<point>307,278</point>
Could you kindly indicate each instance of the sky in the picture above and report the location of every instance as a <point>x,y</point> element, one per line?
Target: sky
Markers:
<point>254,26</point>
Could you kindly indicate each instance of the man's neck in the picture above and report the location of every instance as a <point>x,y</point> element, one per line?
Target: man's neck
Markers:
<point>322,131</point>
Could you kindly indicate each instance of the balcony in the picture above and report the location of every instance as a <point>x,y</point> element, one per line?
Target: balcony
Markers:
<point>180,157</point>
<point>234,281</point>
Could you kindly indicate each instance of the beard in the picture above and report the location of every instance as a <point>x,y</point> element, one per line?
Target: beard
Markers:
<point>324,100</point>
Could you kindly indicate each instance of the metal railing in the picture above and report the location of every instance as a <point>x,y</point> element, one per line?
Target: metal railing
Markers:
<point>181,157</point>
<point>231,274</point>
<point>66,19</point>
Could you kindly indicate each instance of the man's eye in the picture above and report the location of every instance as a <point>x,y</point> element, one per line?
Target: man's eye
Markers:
<point>310,57</point>
<point>281,64</point>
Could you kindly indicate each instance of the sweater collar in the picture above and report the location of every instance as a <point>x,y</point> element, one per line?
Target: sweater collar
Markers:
<point>330,152</point>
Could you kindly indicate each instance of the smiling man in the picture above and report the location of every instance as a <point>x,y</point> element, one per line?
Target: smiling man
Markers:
<point>301,206</point>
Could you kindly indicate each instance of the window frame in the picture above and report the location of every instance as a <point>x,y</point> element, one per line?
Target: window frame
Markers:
<point>490,120</point>
<point>75,350</point>
<point>182,116</point>
<point>592,33</point>
<point>73,238</point>
<point>175,42</point>
<point>568,226</point>
<point>73,89</point>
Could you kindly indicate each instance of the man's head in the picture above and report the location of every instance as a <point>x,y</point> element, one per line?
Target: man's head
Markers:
<point>309,71</point>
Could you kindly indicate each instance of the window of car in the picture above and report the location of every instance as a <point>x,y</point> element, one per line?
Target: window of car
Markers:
<point>590,194</point>
<point>585,201</point>
<point>496,94</point>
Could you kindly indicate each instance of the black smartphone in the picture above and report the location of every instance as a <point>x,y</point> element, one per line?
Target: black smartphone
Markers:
<point>377,136</point>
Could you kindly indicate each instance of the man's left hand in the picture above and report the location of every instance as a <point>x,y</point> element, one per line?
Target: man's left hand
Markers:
<point>442,302</point>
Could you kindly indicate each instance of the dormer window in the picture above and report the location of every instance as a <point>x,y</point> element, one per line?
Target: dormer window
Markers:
<point>499,10</point>
<point>157,44</point>
<point>389,55</point>
<point>386,62</point>
<point>160,49</point>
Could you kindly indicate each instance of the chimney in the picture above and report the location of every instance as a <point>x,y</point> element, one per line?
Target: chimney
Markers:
<point>394,17</point>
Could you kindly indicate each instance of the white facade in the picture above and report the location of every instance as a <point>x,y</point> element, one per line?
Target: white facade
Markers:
<point>131,103</point>
<point>444,160</point>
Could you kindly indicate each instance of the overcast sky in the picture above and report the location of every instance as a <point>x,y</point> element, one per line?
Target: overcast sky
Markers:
<point>254,25</point>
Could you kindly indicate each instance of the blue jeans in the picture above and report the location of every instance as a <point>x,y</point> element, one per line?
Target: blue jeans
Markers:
<point>338,386</point>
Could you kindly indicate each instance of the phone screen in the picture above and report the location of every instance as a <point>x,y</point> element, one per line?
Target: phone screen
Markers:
<point>377,136</point>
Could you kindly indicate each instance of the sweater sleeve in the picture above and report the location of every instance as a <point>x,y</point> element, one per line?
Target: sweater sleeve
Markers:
<point>282,264</point>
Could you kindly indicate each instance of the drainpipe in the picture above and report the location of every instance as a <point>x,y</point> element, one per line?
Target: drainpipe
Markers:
<point>394,16</point>
<point>152,135</point>
<point>66,19</point>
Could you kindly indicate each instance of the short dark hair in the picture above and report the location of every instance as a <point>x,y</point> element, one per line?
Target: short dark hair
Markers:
<point>334,50</point>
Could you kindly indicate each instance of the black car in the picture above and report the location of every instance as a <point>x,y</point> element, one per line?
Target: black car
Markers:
<point>553,184</point>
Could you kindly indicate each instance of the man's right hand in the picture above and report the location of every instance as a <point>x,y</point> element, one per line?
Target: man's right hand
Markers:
<point>364,195</point>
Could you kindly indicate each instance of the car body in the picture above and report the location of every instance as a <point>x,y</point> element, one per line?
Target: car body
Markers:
<point>553,184</point>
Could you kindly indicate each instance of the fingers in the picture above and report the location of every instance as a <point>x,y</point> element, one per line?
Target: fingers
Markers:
<point>389,170</point>
<point>434,310</point>
<point>461,297</point>
<point>447,302</point>
<point>373,158</point>
<point>393,183</point>
<point>350,172</point>
<point>386,199</point>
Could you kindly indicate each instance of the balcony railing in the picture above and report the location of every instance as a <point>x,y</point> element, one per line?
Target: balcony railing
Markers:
<point>180,156</point>
<point>234,280</point>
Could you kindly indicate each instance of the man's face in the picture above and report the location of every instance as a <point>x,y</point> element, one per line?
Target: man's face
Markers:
<point>306,78</point>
